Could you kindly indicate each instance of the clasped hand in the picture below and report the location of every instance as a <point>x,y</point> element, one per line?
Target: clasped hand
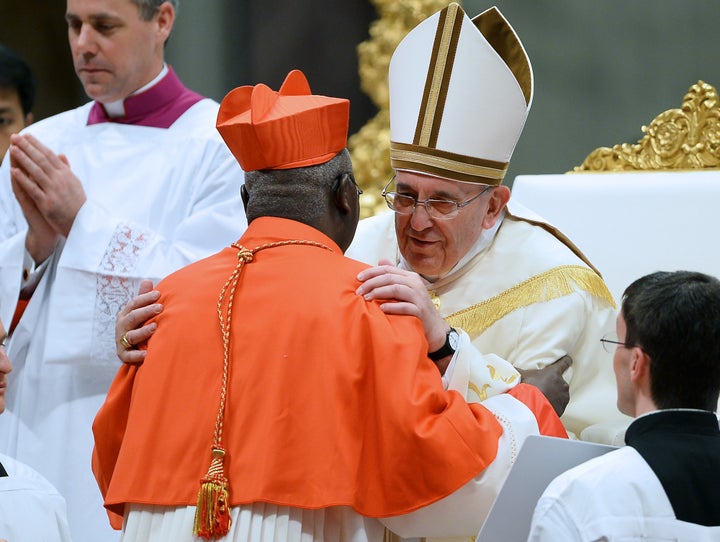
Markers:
<point>47,190</point>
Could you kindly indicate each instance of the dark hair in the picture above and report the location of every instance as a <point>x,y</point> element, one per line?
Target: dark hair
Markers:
<point>675,318</point>
<point>15,74</point>
<point>300,194</point>
<point>148,8</point>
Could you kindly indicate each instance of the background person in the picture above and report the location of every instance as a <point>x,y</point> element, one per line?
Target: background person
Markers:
<point>319,409</point>
<point>17,95</point>
<point>30,507</point>
<point>663,484</point>
<point>134,184</point>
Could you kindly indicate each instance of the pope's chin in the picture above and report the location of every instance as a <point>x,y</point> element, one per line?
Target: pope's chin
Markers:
<point>423,262</point>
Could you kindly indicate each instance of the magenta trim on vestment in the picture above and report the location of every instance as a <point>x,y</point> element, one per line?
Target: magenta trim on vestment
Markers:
<point>157,107</point>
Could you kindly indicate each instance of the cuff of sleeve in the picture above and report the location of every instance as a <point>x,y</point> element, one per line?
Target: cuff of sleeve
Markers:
<point>447,377</point>
<point>31,273</point>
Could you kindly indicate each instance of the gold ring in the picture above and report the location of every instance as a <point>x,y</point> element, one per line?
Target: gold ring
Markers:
<point>124,341</point>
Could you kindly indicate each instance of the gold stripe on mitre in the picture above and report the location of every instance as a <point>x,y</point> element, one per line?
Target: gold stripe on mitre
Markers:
<point>450,165</point>
<point>552,284</point>
<point>422,155</point>
<point>438,77</point>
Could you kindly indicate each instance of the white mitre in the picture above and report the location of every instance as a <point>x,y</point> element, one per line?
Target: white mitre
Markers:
<point>460,91</point>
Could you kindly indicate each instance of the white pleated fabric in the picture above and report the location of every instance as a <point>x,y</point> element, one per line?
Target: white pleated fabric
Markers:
<point>259,522</point>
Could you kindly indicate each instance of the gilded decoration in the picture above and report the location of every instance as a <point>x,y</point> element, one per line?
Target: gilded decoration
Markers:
<point>370,146</point>
<point>685,138</point>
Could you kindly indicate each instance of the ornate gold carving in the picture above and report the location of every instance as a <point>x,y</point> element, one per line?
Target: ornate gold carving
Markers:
<point>370,146</point>
<point>685,138</point>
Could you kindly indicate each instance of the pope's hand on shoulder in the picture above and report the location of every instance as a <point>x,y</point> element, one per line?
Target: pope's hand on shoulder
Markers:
<point>549,380</point>
<point>404,292</point>
<point>130,327</point>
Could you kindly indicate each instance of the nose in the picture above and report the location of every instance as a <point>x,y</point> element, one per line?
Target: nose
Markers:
<point>5,365</point>
<point>85,41</point>
<point>420,219</point>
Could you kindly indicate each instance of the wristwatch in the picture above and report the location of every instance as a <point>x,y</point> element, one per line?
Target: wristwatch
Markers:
<point>448,349</point>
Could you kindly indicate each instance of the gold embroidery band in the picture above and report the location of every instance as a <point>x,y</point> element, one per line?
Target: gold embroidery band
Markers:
<point>438,77</point>
<point>450,165</point>
<point>552,284</point>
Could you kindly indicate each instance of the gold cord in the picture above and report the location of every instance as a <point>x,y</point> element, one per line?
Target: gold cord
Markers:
<point>212,514</point>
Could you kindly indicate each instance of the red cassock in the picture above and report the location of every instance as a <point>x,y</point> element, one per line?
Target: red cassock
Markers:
<point>330,401</point>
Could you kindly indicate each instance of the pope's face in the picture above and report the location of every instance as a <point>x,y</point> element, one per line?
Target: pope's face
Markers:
<point>433,246</point>
<point>5,367</point>
<point>12,118</point>
<point>114,51</point>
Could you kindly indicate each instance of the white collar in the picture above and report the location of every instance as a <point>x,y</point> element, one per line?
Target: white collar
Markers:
<point>117,108</point>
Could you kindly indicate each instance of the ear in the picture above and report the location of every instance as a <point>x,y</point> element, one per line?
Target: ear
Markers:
<point>640,368</point>
<point>29,119</point>
<point>245,197</point>
<point>165,19</point>
<point>345,190</point>
<point>499,197</point>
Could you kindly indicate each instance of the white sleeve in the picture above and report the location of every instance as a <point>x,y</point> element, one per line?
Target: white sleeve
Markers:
<point>30,507</point>
<point>478,377</point>
<point>12,246</point>
<point>552,523</point>
<point>12,251</point>
<point>463,512</point>
<point>31,273</point>
<point>106,256</point>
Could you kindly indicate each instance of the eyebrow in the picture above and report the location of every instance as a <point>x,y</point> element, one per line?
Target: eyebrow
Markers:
<point>441,194</point>
<point>94,18</point>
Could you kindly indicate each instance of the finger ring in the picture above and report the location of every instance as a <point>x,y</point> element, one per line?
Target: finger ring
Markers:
<point>124,341</point>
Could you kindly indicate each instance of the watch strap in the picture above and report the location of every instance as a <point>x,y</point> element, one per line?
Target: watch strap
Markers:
<point>445,350</point>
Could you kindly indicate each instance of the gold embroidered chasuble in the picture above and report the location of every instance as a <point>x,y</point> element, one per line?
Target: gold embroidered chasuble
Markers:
<point>527,298</point>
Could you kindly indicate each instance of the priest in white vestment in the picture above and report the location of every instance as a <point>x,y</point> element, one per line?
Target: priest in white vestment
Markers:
<point>460,91</point>
<point>30,507</point>
<point>663,484</point>
<point>135,184</point>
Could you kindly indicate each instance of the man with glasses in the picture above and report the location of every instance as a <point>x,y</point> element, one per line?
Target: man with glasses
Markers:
<point>663,484</point>
<point>291,408</point>
<point>460,91</point>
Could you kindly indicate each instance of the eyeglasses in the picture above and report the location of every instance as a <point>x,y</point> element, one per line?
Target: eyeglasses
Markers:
<point>441,209</point>
<point>610,343</point>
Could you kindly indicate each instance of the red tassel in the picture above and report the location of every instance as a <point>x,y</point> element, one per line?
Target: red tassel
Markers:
<point>212,514</point>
